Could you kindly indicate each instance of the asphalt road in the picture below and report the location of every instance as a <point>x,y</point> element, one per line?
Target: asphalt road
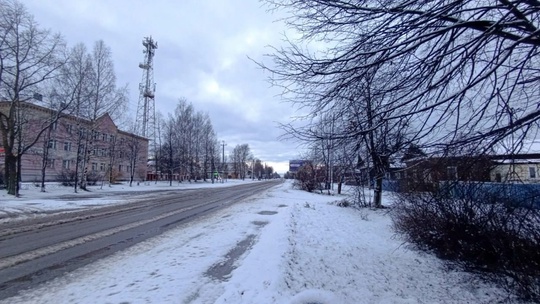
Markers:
<point>32,252</point>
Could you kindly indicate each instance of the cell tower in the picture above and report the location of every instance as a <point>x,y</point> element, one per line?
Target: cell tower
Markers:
<point>146,111</point>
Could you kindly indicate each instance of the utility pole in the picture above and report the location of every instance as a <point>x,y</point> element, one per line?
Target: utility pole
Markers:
<point>223,144</point>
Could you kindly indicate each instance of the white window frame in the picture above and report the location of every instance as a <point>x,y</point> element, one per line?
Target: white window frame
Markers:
<point>66,164</point>
<point>454,173</point>
<point>532,173</point>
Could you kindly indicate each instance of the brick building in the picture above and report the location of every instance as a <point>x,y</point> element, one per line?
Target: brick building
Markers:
<point>110,149</point>
<point>425,173</point>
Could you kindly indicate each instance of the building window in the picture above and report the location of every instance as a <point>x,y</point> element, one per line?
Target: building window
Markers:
<point>67,146</point>
<point>69,128</point>
<point>66,163</point>
<point>54,126</point>
<point>94,166</point>
<point>111,138</point>
<point>451,172</point>
<point>102,167</point>
<point>128,169</point>
<point>82,132</point>
<point>119,168</point>
<point>50,163</point>
<point>532,172</point>
<point>52,144</point>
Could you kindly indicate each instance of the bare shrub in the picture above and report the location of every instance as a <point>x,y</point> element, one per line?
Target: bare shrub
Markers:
<point>67,177</point>
<point>307,178</point>
<point>363,197</point>
<point>93,177</point>
<point>343,203</point>
<point>484,231</point>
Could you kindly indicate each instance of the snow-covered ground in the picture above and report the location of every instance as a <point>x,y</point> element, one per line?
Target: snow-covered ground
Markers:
<point>57,198</point>
<point>284,246</point>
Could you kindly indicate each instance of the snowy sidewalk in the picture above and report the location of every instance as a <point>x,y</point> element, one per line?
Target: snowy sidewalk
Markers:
<point>286,246</point>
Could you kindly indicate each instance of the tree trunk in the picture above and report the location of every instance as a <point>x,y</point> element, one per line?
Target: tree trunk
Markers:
<point>378,191</point>
<point>11,173</point>
<point>130,179</point>
<point>77,164</point>
<point>45,160</point>
<point>19,171</point>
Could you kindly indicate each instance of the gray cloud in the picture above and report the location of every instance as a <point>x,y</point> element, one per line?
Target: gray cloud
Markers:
<point>202,56</point>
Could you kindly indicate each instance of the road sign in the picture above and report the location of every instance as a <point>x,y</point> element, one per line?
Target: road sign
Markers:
<point>294,165</point>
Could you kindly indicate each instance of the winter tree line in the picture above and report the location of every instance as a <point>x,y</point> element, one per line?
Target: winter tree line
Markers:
<point>37,67</point>
<point>188,147</point>
<point>379,78</point>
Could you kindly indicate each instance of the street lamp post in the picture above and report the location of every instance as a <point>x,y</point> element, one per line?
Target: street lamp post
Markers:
<point>223,144</point>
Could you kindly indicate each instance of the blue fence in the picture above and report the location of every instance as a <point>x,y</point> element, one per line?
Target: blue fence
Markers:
<point>514,194</point>
<point>517,194</point>
<point>390,185</point>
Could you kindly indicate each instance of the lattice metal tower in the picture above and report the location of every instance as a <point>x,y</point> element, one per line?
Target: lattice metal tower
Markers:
<point>146,111</point>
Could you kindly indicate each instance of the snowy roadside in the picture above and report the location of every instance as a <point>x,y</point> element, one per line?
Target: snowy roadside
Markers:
<point>285,246</point>
<point>57,198</point>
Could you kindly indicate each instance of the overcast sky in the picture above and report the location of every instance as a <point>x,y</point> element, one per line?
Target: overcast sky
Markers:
<point>202,55</point>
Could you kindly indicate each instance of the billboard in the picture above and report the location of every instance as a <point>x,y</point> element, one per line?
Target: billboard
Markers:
<point>294,165</point>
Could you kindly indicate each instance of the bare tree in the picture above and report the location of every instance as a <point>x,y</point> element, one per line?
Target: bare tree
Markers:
<point>459,72</point>
<point>73,89</point>
<point>465,64</point>
<point>240,156</point>
<point>132,152</point>
<point>189,146</point>
<point>209,143</point>
<point>105,98</point>
<point>167,153</point>
<point>29,58</point>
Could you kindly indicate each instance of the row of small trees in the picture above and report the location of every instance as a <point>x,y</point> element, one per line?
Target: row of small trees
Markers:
<point>188,144</point>
<point>189,148</point>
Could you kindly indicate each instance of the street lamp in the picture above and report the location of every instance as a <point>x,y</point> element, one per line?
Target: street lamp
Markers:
<point>223,144</point>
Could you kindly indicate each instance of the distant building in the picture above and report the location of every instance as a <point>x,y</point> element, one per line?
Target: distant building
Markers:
<point>425,173</point>
<point>109,149</point>
<point>516,168</point>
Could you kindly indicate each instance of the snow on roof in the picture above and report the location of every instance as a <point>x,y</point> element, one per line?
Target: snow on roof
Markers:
<point>518,161</point>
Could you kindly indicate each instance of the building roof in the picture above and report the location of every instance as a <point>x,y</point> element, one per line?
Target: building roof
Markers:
<point>102,118</point>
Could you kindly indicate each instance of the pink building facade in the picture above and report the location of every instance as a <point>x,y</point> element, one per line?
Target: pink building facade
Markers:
<point>110,152</point>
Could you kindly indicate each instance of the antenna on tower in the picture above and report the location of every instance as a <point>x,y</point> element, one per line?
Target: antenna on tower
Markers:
<point>145,121</point>
<point>146,114</point>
